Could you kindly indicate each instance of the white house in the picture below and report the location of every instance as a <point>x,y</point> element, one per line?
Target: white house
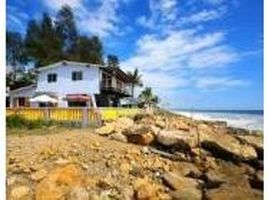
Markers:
<point>74,84</point>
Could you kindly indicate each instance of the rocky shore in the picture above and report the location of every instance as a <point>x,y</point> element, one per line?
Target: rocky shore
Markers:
<point>148,157</point>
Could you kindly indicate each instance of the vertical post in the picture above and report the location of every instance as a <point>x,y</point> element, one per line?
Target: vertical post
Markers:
<point>46,113</point>
<point>85,117</point>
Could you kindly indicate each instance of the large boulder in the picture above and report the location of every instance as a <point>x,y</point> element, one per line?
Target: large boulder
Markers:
<point>224,145</point>
<point>230,191</point>
<point>141,134</point>
<point>182,139</point>
<point>116,126</point>
<point>255,141</point>
<point>183,187</point>
<point>177,182</point>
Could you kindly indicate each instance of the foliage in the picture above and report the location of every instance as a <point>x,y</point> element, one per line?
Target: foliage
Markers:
<point>136,80</point>
<point>15,52</point>
<point>47,42</point>
<point>26,79</point>
<point>147,97</point>
<point>66,30</point>
<point>88,50</point>
<point>17,121</point>
<point>42,43</point>
<point>112,61</point>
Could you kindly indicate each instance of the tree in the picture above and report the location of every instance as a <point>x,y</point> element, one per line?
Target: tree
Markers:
<point>26,79</point>
<point>15,52</point>
<point>50,40</point>
<point>33,42</point>
<point>42,43</point>
<point>88,50</point>
<point>147,97</point>
<point>66,30</point>
<point>112,61</point>
<point>96,51</point>
<point>136,80</point>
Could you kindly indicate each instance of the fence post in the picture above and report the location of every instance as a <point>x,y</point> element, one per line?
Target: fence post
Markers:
<point>46,113</point>
<point>85,117</point>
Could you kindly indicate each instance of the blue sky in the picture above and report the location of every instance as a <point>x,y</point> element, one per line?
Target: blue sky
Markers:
<point>193,53</point>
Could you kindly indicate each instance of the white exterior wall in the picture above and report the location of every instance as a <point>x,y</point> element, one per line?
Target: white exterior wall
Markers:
<point>65,85</point>
<point>27,92</point>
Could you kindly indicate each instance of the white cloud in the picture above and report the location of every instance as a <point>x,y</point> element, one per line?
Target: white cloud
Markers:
<point>161,12</point>
<point>57,4</point>
<point>214,2</point>
<point>180,49</point>
<point>219,82</point>
<point>202,16</point>
<point>176,60</point>
<point>103,19</point>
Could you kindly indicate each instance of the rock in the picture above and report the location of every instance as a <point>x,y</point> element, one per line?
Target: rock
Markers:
<point>213,179</point>
<point>186,169</point>
<point>257,180</point>
<point>255,141</point>
<point>78,193</point>
<point>229,151</point>
<point>143,135</point>
<point>186,194</point>
<point>146,189</point>
<point>105,130</point>
<point>183,140</point>
<point>180,125</point>
<point>160,123</point>
<point>227,147</point>
<point>127,193</point>
<point>58,182</point>
<point>119,137</point>
<point>116,126</point>
<point>125,167</point>
<point>145,150</point>
<point>62,161</point>
<point>39,175</point>
<point>230,191</point>
<point>176,182</point>
<point>12,180</point>
<point>20,193</point>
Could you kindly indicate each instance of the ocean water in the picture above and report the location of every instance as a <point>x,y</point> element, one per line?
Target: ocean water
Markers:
<point>248,119</point>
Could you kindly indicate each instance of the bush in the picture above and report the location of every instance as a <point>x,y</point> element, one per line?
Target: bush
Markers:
<point>17,121</point>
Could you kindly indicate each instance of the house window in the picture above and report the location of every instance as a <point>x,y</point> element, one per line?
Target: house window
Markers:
<point>77,76</point>
<point>51,78</point>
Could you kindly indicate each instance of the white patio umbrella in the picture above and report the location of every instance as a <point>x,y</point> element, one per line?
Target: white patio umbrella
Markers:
<point>43,99</point>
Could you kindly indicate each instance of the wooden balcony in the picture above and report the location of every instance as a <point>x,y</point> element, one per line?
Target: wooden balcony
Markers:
<point>106,89</point>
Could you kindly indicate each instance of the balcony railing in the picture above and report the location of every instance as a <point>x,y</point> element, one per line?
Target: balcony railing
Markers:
<point>111,89</point>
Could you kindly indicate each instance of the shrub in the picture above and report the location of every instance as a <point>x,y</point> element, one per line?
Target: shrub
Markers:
<point>17,121</point>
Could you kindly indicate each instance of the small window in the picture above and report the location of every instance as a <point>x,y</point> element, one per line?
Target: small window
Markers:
<point>51,78</point>
<point>77,76</point>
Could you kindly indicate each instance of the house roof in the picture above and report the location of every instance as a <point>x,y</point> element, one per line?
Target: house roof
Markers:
<point>66,62</point>
<point>32,86</point>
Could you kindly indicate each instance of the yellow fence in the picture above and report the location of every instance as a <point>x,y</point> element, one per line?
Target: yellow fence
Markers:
<point>72,114</point>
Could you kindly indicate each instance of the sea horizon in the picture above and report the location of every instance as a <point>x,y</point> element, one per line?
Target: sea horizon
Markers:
<point>216,110</point>
<point>248,119</point>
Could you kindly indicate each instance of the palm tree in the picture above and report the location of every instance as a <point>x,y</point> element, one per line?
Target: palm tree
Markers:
<point>147,97</point>
<point>136,80</point>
